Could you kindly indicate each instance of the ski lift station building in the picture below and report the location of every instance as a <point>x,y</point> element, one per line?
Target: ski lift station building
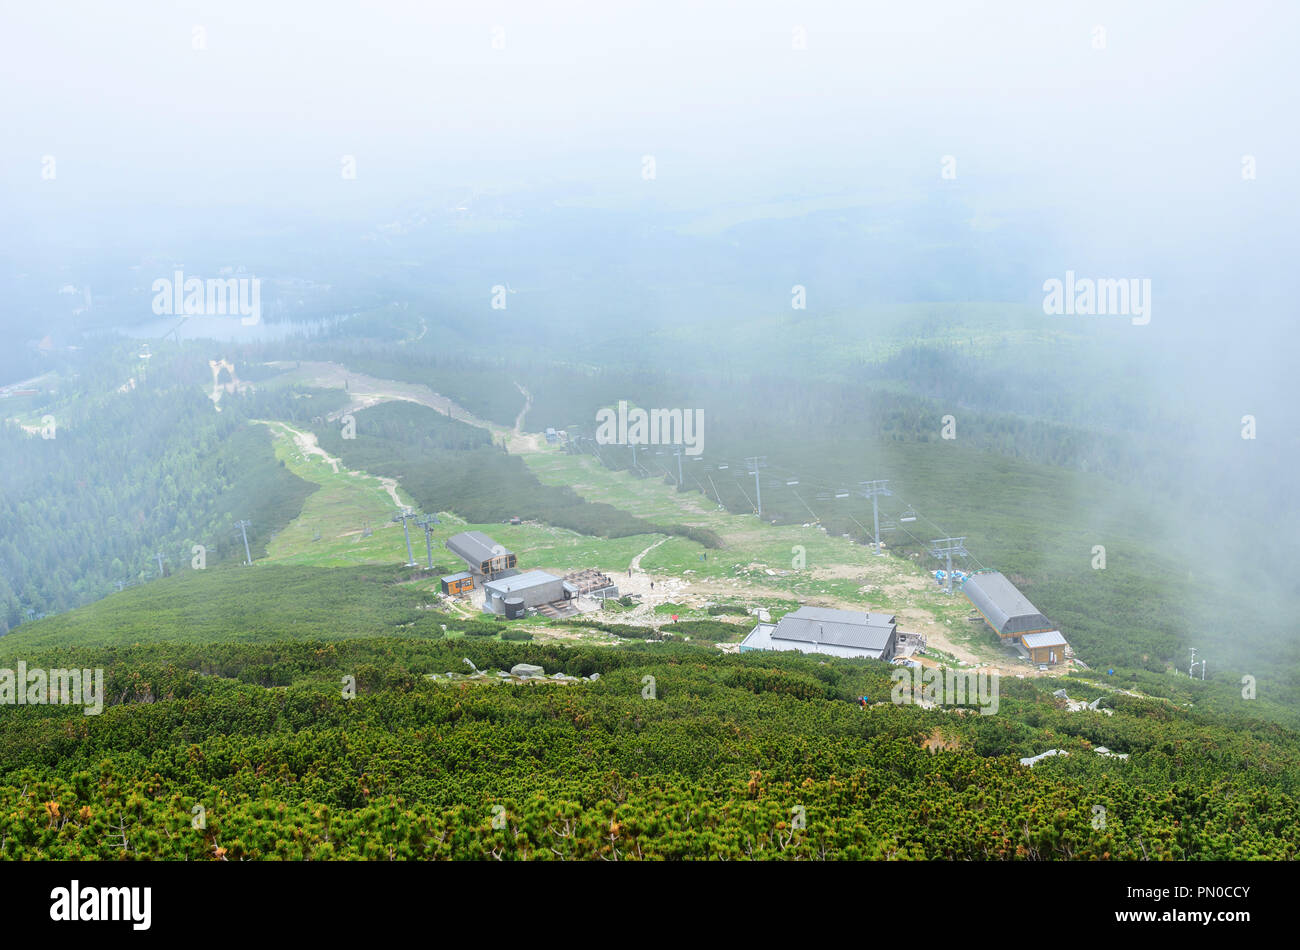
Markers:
<point>833,632</point>
<point>1007,611</point>
<point>484,556</point>
<point>1010,613</point>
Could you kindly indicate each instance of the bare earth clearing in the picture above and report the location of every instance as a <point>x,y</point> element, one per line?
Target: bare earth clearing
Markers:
<point>366,391</point>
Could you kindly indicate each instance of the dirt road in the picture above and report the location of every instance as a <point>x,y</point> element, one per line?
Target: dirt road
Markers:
<point>636,561</point>
<point>307,444</point>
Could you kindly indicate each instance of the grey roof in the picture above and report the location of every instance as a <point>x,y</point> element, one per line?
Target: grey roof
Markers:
<point>830,615</point>
<point>843,628</point>
<point>1052,638</point>
<point>463,575</point>
<point>475,547</point>
<point>1033,760</point>
<point>506,585</point>
<point>1003,606</point>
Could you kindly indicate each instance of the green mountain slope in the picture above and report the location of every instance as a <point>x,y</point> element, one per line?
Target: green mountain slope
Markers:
<point>737,756</point>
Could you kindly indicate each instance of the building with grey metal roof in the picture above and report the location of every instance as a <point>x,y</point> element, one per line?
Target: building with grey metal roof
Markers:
<point>831,615</point>
<point>1007,611</point>
<point>483,555</point>
<point>1052,638</point>
<point>531,588</point>
<point>849,633</point>
<point>453,585</point>
<point>1048,648</point>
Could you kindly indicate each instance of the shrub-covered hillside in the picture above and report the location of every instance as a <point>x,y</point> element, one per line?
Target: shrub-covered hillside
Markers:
<point>718,756</point>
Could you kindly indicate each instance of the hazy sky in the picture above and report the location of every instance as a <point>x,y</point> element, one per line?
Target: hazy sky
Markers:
<point>416,91</point>
<point>1124,147</point>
